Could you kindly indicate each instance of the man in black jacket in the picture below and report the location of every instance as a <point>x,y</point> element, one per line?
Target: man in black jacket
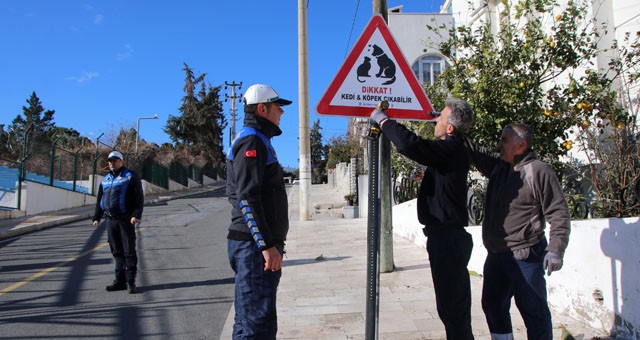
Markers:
<point>121,200</point>
<point>259,215</point>
<point>442,208</point>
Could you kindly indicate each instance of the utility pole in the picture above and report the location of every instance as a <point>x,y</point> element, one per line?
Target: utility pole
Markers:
<point>233,98</point>
<point>386,218</point>
<point>376,229</point>
<point>303,114</point>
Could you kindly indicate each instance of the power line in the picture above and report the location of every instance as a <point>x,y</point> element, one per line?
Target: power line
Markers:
<point>355,15</point>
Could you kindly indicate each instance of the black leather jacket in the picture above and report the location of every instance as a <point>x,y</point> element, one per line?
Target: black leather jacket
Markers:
<point>442,199</point>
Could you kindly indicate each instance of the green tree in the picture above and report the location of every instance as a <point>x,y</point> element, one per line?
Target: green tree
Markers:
<point>402,166</point>
<point>5,146</point>
<point>39,124</point>
<point>211,126</point>
<point>606,109</point>
<point>199,127</point>
<point>340,149</point>
<point>318,163</point>
<point>517,75</point>
<point>69,138</point>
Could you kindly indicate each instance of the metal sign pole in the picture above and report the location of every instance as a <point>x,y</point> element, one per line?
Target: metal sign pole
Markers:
<point>373,232</point>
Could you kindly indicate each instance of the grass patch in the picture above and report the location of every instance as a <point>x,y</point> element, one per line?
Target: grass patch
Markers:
<point>566,335</point>
<point>474,273</point>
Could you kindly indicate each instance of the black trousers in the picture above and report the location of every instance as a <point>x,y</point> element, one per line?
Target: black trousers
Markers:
<point>449,253</point>
<point>122,241</point>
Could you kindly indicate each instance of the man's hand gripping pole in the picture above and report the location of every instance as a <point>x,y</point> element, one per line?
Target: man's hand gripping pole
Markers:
<point>374,128</point>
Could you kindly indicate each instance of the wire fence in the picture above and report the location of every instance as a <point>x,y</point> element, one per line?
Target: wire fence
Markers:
<point>74,165</point>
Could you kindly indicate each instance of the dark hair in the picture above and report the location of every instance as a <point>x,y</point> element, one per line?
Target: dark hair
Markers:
<point>252,108</point>
<point>461,116</point>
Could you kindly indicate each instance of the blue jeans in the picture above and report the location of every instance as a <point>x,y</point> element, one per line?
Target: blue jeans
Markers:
<point>255,292</point>
<point>506,277</point>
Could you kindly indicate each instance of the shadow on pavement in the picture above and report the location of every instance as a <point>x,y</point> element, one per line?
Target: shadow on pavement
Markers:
<point>177,285</point>
<point>315,260</point>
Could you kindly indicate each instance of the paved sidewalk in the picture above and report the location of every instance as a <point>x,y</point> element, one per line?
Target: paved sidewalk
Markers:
<point>322,292</point>
<point>23,225</point>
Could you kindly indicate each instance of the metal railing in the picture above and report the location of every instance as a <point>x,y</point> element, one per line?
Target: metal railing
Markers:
<point>72,165</point>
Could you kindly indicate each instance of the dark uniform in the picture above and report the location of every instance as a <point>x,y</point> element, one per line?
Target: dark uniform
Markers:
<point>442,209</point>
<point>259,220</point>
<point>120,198</point>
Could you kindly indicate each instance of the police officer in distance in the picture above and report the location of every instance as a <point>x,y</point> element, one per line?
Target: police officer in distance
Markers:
<point>121,200</point>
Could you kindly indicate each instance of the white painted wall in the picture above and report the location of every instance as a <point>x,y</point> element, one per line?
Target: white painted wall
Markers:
<point>175,186</point>
<point>8,199</point>
<point>149,188</point>
<point>37,198</point>
<point>603,257</point>
<point>340,178</point>
<point>410,33</point>
<point>363,196</point>
<point>208,180</point>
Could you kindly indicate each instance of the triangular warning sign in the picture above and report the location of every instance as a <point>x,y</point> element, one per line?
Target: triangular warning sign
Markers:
<point>376,70</point>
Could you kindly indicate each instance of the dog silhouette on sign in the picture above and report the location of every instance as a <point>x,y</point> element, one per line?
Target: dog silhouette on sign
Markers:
<point>386,65</point>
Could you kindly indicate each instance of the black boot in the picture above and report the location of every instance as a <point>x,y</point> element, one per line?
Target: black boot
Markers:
<point>116,285</point>
<point>132,288</point>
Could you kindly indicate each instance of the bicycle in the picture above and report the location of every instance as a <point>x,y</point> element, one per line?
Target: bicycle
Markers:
<point>475,207</point>
<point>406,190</point>
<point>578,206</point>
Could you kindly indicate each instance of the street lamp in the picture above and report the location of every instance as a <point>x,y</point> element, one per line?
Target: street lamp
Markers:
<point>138,130</point>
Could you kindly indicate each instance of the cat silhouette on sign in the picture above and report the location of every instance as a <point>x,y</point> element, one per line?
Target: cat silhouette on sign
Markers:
<point>363,69</point>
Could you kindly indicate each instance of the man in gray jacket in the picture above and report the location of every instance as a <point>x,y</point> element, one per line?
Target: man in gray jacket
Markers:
<point>523,195</point>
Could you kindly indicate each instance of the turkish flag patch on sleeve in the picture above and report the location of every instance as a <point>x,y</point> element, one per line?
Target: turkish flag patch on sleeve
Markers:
<point>250,153</point>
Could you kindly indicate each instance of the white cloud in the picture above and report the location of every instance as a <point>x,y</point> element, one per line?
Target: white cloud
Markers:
<point>98,19</point>
<point>126,54</point>
<point>85,77</point>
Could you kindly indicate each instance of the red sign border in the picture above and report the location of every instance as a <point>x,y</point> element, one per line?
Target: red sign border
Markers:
<point>324,106</point>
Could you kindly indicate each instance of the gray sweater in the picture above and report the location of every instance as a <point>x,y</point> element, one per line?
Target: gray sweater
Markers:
<point>519,201</point>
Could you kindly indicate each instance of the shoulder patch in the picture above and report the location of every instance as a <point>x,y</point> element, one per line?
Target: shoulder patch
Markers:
<point>250,153</point>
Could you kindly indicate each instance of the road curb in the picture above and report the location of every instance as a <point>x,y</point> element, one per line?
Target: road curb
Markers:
<point>86,215</point>
<point>44,225</point>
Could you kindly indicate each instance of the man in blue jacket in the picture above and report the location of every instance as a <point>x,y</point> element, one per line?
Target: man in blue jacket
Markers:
<point>259,215</point>
<point>442,208</point>
<point>121,200</point>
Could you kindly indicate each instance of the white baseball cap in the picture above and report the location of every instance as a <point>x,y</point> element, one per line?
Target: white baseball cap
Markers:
<point>260,93</point>
<point>115,154</point>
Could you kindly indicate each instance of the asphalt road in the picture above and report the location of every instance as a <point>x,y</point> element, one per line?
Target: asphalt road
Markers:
<point>53,281</point>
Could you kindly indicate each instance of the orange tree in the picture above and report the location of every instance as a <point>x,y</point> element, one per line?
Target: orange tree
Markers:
<point>606,110</point>
<point>536,70</point>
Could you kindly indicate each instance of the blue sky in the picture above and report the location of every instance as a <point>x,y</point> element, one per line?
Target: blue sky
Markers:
<point>103,64</point>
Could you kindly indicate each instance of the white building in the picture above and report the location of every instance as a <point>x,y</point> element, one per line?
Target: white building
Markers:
<point>609,278</point>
